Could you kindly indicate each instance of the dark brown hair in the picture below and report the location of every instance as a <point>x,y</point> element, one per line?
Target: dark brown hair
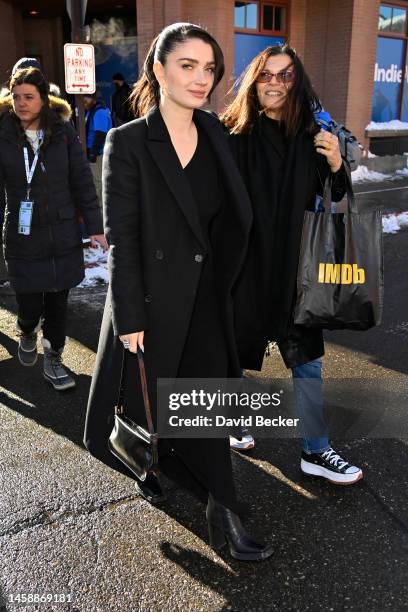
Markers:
<point>146,91</point>
<point>301,102</point>
<point>33,76</point>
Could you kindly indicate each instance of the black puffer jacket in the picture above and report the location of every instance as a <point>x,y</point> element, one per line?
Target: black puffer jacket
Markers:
<point>51,257</point>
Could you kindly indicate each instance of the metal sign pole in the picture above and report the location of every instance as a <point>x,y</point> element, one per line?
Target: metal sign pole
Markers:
<point>76,10</point>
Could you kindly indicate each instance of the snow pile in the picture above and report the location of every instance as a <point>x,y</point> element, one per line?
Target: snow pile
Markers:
<point>395,124</point>
<point>403,172</point>
<point>394,222</point>
<point>96,267</point>
<point>363,175</point>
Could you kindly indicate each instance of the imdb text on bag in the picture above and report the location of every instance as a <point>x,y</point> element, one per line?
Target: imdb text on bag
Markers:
<point>341,274</point>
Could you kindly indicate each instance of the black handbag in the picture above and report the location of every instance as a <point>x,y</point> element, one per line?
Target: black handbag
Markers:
<point>340,274</point>
<point>135,447</point>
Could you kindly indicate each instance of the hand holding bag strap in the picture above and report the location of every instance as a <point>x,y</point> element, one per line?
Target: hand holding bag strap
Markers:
<point>143,380</point>
<point>351,201</point>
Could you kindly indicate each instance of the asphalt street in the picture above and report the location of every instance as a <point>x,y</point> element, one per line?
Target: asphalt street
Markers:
<point>71,527</point>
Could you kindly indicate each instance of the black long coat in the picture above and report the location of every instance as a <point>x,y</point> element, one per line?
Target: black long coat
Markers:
<point>303,174</point>
<point>51,257</point>
<point>156,256</point>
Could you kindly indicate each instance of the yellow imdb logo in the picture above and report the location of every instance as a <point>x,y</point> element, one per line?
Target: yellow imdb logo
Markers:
<point>344,274</point>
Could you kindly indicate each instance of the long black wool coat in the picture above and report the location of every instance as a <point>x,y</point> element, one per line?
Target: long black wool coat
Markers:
<point>156,256</point>
<point>51,257</point>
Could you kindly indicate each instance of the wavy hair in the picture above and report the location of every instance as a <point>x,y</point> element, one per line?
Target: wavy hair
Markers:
<point>301,102</point>
<point>146,91</point>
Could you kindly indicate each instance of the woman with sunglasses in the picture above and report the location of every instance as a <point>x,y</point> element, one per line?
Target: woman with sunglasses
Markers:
<point>284,159</point>
<point>176,249</point>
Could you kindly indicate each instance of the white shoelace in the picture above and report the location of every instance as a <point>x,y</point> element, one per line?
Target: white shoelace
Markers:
<point>332,457</point>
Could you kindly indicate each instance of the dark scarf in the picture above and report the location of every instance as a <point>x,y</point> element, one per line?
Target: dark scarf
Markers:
<point>282,179</point>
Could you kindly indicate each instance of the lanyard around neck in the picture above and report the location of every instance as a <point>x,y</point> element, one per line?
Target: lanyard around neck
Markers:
<point>30,171</point>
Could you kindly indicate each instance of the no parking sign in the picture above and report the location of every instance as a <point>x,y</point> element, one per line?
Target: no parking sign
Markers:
<point>79,60</point>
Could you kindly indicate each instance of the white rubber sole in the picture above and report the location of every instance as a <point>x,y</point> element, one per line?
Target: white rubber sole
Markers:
<point>70,385</point>
<point>28,365</point>
<point>339,479</point>
<point>242,446</point>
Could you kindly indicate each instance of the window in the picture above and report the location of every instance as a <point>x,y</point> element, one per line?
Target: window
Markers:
<point>246,15</point>
<point>392,19</point>
<point>261,17</point>
<point>390,98</point>
<point>273,18</point>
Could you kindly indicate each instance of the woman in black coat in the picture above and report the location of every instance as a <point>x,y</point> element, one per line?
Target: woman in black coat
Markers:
<point>177,219</point>
<point>284,160</point>
<point>45,183</point>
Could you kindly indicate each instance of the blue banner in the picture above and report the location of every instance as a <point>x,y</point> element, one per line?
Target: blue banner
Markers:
<point>387,79</point>
<point>118,57</point>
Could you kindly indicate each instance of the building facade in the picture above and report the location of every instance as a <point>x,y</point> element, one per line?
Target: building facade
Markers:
<point>354,50</point>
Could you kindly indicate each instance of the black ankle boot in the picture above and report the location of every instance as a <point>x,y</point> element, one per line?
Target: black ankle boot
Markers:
<point>225,527</point>
<point>150,489</point>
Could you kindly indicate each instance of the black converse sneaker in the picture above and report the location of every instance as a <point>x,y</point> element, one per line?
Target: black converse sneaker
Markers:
<point>330,465</point>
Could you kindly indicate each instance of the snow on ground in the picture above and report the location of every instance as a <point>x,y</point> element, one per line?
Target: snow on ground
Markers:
<point>402,172</point>
<point>96,267</point>
<point>394,222</point>
<point>395,124</point>
<point>364,175</point>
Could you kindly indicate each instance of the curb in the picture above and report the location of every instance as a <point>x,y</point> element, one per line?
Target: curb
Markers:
<point>385,164</point>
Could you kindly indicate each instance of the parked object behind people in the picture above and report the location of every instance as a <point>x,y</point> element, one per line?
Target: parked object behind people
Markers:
<point>176,250</point>
<point>120,103</point>
<point>45,181</point>
<point>284,159</point>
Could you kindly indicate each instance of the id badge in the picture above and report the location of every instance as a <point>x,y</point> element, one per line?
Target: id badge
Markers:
<point>24,217</point>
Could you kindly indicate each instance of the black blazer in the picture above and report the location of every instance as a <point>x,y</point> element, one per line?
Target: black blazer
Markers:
<point>156,254</point>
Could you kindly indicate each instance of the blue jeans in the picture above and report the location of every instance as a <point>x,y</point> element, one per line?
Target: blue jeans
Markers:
<point>309,405</point>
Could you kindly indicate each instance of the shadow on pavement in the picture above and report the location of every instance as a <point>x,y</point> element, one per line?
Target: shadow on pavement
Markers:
<point>331,543</point>
<point>34,398</point>
<point>85,310</point>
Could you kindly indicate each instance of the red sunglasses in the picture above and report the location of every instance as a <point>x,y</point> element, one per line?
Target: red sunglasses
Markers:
<point>284,76</point>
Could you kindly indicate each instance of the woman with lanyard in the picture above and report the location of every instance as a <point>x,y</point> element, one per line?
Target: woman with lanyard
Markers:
<point>45,181</point>
<point>284,159</point>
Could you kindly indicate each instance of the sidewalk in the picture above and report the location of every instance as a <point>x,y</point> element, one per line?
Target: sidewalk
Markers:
<point>69,525</point>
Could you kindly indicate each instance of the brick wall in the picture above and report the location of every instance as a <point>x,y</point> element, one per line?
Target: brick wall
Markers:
<point>327,51</point>
<point>361,69</point>
<point>297,25</point>
<point>339,55</point>
<point>11,38</point>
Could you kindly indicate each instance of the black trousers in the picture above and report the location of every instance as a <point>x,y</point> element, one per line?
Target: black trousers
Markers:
<point>52,306</point>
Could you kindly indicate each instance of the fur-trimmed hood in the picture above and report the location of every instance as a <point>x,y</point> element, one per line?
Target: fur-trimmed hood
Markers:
<point>60,106</point>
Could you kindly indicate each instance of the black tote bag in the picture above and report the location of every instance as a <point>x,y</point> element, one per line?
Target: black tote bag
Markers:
<point>340,281</point>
